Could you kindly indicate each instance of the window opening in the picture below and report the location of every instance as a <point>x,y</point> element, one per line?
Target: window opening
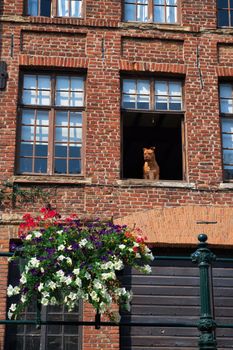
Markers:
<point>226,109</point>
<point>51,124</point>
<point>225,13</point>
<point>152,116</point>
<point>159,11</point>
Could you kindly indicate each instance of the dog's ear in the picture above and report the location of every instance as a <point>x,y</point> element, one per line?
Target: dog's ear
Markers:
<point>144,149</point>
<point>153,148</point>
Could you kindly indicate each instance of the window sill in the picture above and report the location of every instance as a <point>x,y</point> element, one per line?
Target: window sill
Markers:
<point>226,186</point>
<point>47,179</point>
<point>151,183</point>
<point>153,25</point>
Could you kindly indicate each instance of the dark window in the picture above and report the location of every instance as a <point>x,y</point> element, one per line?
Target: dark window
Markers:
<point>152,116</point>
<point>51,122</point>
<point>52,337</point>
<point>226,109</point>
<point>225,13</point>
<point>159,11</point>
<point>65,8</point>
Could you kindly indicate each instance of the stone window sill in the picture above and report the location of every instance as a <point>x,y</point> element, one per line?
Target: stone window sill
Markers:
<point>226,186</point>
<point>39,179</point>
<point>151,183</point>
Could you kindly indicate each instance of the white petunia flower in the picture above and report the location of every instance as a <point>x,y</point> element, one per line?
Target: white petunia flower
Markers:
<point>83,242</point>
<point>12,290</point>
<point>23,279</point>
<point>78,282</point>
<point>76,272</point>
<point>44,301</point>
<point>40,287</point>
<point>33,262</point>
<point>53,301</point>
<point>23,298</point>
<point>13,307</point>
<point>94,296</point>
<point>108,275</point>
<point>119,264</point>
<point>37,234</point>
<point>67,280</point>
<point>52,285</point>
<point>60,232</point>
<point>97,284</point>
<point>28,237</point>
<point>69,261</point>
<point>122,246</point>
<point>146,269</point>
<point>87,275</point>
<point>61,247</point>
<point>61,257</point>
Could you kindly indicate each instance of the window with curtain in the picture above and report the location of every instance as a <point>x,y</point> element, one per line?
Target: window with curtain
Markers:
<point>64,8</point>
<point>51,124</point>
<point>226,110</point>
<point>158,11</point>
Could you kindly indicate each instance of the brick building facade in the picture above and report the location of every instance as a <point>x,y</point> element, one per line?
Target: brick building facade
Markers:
<point>90,83</point>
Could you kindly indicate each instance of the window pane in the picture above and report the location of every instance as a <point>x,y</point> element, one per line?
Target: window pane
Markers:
<point>171,15</point>
<point>77,84</point>
<point>226,90</point>
<point>228,157</point>
<point>161,102</point>
<point>143,87</point>
<point>41,150</point>
<point>61,134</point>
<point>159,2</point>
<point>142,13</point>
<point>129,86</point>
<point>33,7</point>
<point>60,166</point>
<point>175,103</point>
<point>75,134</point>
<point>143,102</point>
<point>42,133</point>
<point>75,119</point>
<point>228,172</point>
<point>129,101</point>
<point>71,343</point>
<point>26,149</point>
<point>227,141</point>
<point>75,166</point>
<point>42,118</point>
<point>63,8</point>
<point>171,2</point>
<point>130,12</point>
<point>54,329</point>
<point>27,133</point>
<point>28,116</point>
<point>61,150</point>
<point>227,125</point>
<point>29,97</point>
<point>226,106</point>
<point>161,88</point>
<point>75,8</point>
<point>54,343</point>
<point>40,165</point>
<point>62,98</point>
<point>62,118</point>
<point>175,89</point>
<point>222,3</point>
<point>159,14</point>
<point>25,165</point>
<point>32,343</point>
<point>76,99</point>
<point>44,82</point>
<point>74,151</point>
<point>45,8</point>
<point>62,83</point>
<point>231,23</point>
<point>29,82</point>
<point>223,19</point>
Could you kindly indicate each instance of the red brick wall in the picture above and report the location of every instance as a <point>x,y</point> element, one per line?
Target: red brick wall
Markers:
<point>106,47</point>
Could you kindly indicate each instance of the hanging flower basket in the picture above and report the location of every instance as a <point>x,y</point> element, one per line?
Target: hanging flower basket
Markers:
<point>66,260</point>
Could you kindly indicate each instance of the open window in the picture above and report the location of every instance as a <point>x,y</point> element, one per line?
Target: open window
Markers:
<point>225,13</point>
<point>152,116</point>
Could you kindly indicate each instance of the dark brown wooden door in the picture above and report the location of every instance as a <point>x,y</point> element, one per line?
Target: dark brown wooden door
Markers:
<point>171,294</point>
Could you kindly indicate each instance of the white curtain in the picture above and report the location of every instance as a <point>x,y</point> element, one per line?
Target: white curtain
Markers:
<point>63,8</point>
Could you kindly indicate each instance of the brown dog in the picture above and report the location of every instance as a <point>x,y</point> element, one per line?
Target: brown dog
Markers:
<point>150,168</point>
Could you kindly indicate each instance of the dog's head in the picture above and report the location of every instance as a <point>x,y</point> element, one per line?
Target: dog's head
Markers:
<point>149,153</point>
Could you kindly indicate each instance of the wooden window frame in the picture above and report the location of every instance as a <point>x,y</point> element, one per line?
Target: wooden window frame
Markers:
<point>225,116</point>
<point>152,110</point>
<point>54,9</point>
<point>52,108</point>
<point>230,15</point>
<point>25,331</point>
<point>151,6</point>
